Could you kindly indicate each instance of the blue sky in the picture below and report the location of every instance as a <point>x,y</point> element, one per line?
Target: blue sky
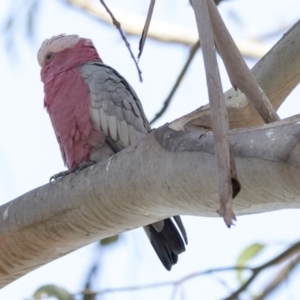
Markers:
<point>29,153</point>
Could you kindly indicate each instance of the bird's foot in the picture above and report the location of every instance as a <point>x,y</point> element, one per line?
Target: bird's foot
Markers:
<point>82,166</point>
<point>76,170</point>
<point>60,175</point>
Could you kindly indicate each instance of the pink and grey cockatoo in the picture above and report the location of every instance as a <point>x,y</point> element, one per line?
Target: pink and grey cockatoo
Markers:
<point>95,113</point>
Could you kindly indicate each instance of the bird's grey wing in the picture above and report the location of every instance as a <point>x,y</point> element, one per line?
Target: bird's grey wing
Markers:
<point>114,106</point>
<point>117,111</point>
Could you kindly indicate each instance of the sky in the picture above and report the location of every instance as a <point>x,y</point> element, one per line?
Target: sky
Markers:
<point>29,154</point>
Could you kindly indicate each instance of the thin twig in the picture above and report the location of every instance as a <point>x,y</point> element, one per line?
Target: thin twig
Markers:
<point>292,250</point>
<point>146,28</point>
<point>167,283</point>
<point>161,31</point>
<point>256,271</point>
<point>118,26</point>
<point>280,276</point>
<point>286,254</point>
<point>166,104</point>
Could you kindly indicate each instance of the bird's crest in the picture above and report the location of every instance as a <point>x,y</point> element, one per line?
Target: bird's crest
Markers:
<point>56,44</point>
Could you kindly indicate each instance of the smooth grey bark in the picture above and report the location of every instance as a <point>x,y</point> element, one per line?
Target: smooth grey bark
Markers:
<point>226,170</point>
<point>237,69</point>
<point>168,173</point>
<point>278,73</point>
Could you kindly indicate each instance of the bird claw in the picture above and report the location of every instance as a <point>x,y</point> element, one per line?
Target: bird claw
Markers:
<point>76,170</point>
<point>59,175</point>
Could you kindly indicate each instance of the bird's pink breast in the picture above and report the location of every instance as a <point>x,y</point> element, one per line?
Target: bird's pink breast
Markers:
<point>67,101</point>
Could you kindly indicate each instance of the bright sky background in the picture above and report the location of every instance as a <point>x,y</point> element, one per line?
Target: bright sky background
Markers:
<point>29,153</point>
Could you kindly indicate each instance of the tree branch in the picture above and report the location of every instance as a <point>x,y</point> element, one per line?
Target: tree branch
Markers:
<point>161,176</point>
<point>282,257</point>
<point>279,278</point>
<point>277,73</point>
<point>238,72</point>
<point>256,271</point>
<point>146,28</point>
<point>219,118</point>
<point>133,24</point>
<point>174,283</point>
<point>118,26</point>
<point>167,102</point>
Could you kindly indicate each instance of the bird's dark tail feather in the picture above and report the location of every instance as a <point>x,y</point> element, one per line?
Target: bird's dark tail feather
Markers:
<point>167,243</point>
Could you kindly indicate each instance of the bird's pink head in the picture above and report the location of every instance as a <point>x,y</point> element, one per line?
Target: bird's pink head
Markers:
<point>63,52</point>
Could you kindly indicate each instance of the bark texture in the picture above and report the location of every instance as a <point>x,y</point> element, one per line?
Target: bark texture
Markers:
<point>168,173</point>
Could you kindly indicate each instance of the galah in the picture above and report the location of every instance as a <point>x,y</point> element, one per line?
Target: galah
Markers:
<point>95,113</point>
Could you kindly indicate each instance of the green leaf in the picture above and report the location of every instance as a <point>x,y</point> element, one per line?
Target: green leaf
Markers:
<point>247,254</point>
<point>109,240</point>
<point>53,291</point>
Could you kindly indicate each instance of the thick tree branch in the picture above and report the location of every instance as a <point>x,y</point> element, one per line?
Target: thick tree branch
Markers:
<point>278,73</point>
<point>163,175</point>
<point>239,73</point>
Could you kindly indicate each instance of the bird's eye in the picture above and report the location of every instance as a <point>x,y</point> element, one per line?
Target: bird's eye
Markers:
<point>49,57</point>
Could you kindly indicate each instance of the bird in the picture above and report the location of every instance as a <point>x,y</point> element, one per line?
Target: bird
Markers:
<point>95,113</point>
